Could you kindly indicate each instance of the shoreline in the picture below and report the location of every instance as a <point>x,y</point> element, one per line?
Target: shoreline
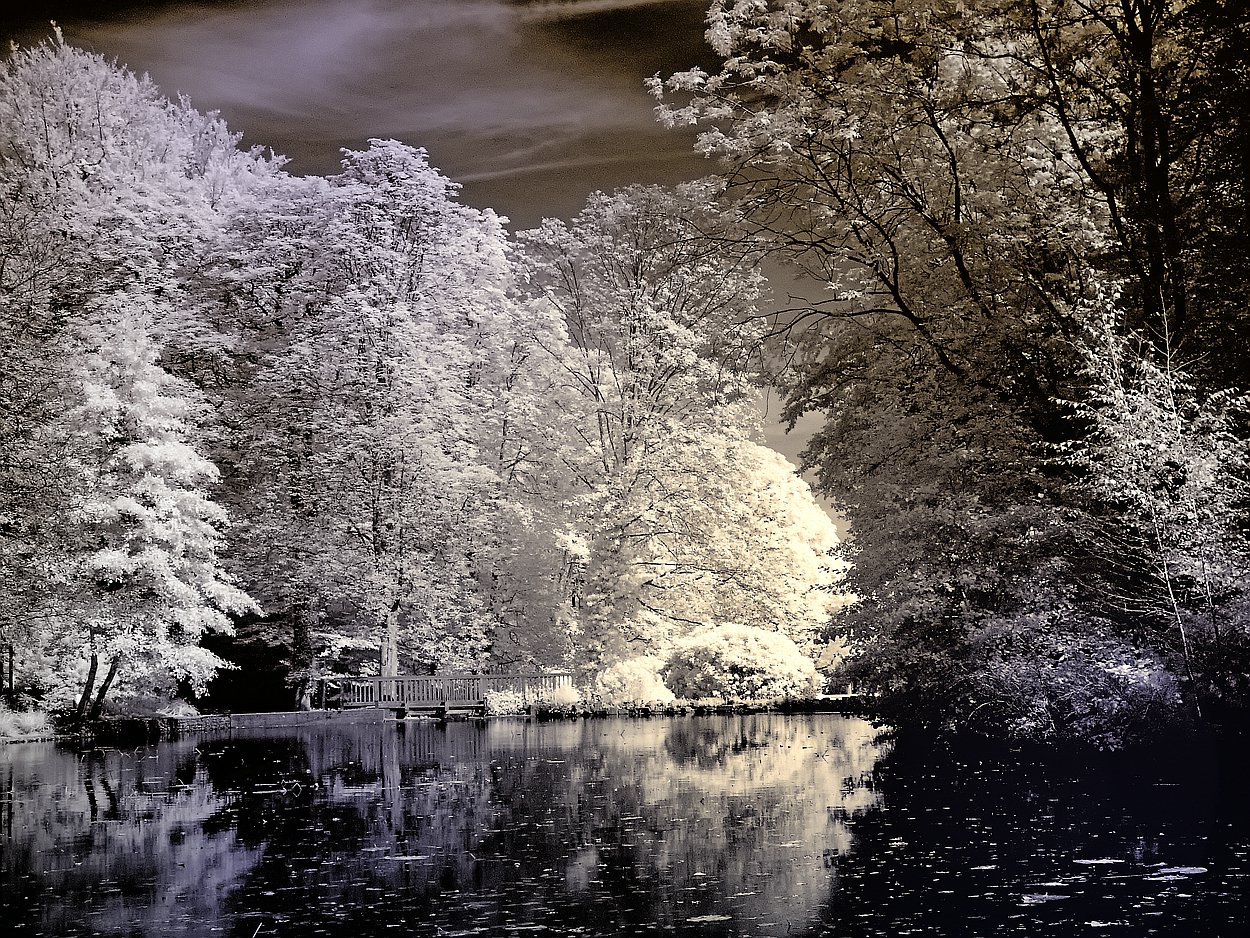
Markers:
<point>161,729</point>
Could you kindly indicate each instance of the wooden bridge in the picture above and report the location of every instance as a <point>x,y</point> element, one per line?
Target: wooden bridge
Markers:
<point>435,692</point>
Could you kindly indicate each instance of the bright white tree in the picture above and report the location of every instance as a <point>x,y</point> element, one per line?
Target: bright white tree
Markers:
<point>140,535</point>
<point>418,453</point>
<point>679,517</point>
<point>106,190</point>
<point>384,392</point>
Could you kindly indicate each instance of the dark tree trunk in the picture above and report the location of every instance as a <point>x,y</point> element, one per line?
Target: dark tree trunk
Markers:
<point>81,710</point>
<point>98,705</point>
<point>303,660</point>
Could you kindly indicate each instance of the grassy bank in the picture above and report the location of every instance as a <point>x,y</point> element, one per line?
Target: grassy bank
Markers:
<point>24,727</point>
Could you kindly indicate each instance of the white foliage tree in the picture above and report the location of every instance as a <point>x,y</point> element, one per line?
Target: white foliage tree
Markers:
<point>107,190</point>
<point>746,542</point>
<point>679,516</point>
<point>384,392</point>
<point>1169,463</point>
<point>141,536</point>
<point>414,448</point>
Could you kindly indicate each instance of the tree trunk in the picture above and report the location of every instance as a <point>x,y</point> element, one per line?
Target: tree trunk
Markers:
<point>302,658</point>
<point>98,705</point>
<point>81,709</point>
<point>390,644</point>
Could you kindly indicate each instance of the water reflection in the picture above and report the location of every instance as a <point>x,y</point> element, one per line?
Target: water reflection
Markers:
<point>752,825</point>
<point>1145,843</point>
<point>112,843</point>
<point>724,825</point>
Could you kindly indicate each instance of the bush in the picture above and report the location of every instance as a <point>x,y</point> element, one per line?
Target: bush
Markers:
<point>1084,685</point>
<point>739,662</point>
<point>561,702</point>
<point>23,725</point>
<point>634,680</point>
<point>179,709</point>
<point>561,697</point>
<point>500,702</point>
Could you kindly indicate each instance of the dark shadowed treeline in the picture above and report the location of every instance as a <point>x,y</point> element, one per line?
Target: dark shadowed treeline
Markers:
<point>1023,230</point>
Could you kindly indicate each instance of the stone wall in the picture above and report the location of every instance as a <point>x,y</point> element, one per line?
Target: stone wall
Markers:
<point>211,723</point>
<point>137,730</point>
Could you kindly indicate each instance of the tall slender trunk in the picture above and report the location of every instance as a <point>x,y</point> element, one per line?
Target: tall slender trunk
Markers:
<point>98,705</point>
<point>1176,612</point>
<point>302,658</point>
<point>390,645</point>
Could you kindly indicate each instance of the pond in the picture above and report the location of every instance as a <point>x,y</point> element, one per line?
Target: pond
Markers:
<point>742,825</point>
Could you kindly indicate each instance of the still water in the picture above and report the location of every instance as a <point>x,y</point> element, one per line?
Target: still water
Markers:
<point>750,825</point>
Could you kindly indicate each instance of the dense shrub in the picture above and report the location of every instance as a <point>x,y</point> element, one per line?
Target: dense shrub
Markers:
<point>739,662</point>
<point>631,681</point>
<point>561,697</point>
<point>1072,684</point>
<point>500,702</point>
<point>22,725</point>
<point>505,701</point>
<point>1038,677</point>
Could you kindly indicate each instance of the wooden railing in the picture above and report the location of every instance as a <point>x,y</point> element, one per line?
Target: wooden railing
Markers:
<point>435,691</point>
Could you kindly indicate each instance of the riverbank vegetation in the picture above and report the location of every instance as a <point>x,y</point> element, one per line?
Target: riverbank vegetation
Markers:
<point>20,726</point>
<point>1023,231</point>
<point>329,414</point>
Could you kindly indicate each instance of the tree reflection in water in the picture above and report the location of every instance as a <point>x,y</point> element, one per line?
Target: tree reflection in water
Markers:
<point>752,825</point>
<point>706,825</point>
<point>113,842</point>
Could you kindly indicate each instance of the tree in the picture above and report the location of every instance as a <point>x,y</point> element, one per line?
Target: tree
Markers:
<point>905,174</point>
<point>140,535</point>
<point>1166,472</point>
<point>957,180</point>
<point>723,531</point>
<point>678,516</point>
<point>107,194</point>
<point>376,415</point>
<point>379,392</point>
<point>1146,92</point>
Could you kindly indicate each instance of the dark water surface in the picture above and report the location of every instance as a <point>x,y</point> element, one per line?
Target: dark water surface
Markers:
<point>753,825</point>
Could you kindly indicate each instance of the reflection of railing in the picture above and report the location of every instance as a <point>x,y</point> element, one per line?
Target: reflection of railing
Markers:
<point>435,691</point>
